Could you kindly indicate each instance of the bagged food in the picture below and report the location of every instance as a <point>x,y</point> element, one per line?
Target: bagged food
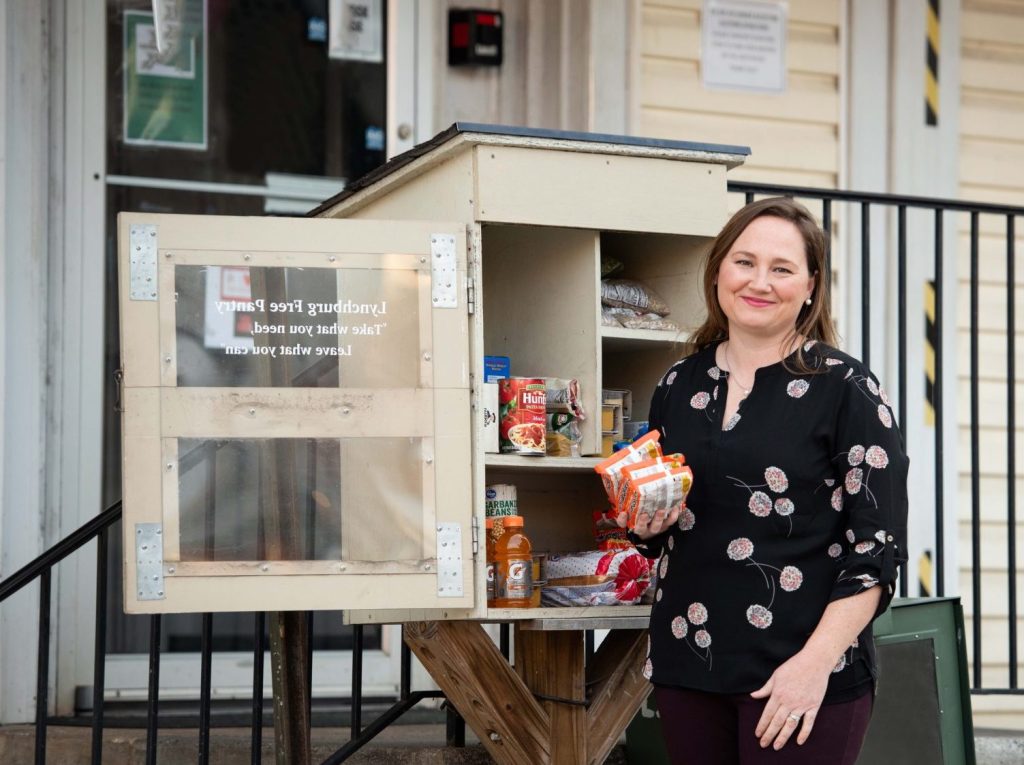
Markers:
<point>633,473</point>
<point>666,489</point>
<point>563,435</point>
<point>607,533</point>
<point>626,293</point>
<point>610,469</point>
<point>563,395</point>
<point>635,320</point>
<point>609,318</point>
<point>596,578</point>
<point>610,266</point>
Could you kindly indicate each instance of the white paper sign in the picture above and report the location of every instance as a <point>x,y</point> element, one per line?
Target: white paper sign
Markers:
<point>356,30</point>
<point>743,45</point>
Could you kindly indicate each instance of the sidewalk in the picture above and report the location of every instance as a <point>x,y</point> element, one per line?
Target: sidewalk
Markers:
<point>421,744</point>
<point>396,745</point>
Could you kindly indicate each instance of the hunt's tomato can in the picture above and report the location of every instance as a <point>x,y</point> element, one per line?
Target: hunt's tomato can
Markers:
<point>521,405</point>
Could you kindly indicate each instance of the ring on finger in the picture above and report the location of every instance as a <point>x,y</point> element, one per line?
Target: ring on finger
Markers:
<point>795,717</point>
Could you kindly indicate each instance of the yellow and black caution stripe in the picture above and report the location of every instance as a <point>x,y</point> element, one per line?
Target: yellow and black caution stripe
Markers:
<point>931,76</point>
<point>930,339</point>
<point>924,575</point>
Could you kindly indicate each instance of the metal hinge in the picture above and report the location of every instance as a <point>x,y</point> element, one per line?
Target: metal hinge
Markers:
<point>476,537</point>
<point>149,561</point>
<point>119,390</point>
<point>444,281</point>
<point>142,262</point>
<point>472,257</point>
<point>449,560</point>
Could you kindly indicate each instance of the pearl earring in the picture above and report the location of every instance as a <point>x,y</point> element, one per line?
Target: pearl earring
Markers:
<point>808,301</point>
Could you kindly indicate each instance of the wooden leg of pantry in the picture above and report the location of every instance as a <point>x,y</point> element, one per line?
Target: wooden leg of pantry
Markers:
<point>551,663</point>
<point>617,689</point>
<point>494,701</point>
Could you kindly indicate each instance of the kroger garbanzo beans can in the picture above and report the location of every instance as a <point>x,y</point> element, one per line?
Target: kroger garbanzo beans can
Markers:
<point>521,403</point>
<point>500,500</point>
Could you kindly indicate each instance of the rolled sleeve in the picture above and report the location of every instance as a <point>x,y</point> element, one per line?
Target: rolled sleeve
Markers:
<point>871,468</point>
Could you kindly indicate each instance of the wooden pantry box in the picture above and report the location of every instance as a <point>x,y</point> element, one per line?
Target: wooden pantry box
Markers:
<point>300,395</point>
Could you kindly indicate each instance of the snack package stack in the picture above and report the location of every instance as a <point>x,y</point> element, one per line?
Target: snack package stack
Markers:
<point>644,448</point>
<point>564,414</point>
<point>665,489</point>
<point>640,480</point>
<point>596,578</point>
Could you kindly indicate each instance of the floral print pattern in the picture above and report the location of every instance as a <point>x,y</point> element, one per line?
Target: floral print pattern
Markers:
<point>759,616</point>
<point>797,388</point>
<point>687,520</point>
<point>768,491</point>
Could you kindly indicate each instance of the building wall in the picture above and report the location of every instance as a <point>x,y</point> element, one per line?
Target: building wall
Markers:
<point>991,155</point>
<point>793,136</point>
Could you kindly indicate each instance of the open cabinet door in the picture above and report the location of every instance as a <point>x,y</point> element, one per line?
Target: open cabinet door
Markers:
<point>296,414</point>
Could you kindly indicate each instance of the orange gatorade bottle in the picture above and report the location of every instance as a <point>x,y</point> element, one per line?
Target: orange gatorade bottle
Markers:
<point>513,564</point>
<point>489,546</point>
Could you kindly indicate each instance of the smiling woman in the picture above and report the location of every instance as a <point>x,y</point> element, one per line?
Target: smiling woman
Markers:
<point>775,423</point>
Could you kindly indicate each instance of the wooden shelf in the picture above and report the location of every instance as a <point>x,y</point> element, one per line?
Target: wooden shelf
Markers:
<point>622,339</point>
<point>549,464</point>
<point>575,617</point>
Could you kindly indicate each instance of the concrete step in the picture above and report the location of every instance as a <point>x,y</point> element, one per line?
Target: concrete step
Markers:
<point>396,745</point>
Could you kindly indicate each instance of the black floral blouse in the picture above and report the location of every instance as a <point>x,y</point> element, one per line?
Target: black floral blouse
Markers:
<point>800,499</point>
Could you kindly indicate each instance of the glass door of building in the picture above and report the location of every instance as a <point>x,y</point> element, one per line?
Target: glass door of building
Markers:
<point>240,107</point>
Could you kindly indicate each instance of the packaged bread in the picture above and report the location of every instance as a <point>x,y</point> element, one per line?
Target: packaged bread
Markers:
<point>596,578</point>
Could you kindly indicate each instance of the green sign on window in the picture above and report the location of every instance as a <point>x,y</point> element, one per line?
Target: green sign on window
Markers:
<point>165,90</point>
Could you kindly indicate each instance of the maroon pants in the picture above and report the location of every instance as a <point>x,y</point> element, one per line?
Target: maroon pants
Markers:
<point>718,729</point>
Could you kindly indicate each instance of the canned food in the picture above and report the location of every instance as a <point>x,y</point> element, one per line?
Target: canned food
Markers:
<point>500,499</point>
<point>522,402</point>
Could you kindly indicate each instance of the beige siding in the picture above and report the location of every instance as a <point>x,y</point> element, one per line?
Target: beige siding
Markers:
<point>793,136</point>
<point>991,158</point>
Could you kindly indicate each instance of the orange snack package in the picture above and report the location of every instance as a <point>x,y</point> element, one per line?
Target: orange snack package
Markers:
<point>644,448</point>
<point>607,532</point>
<point>666,489</point>
<point>638,470</point>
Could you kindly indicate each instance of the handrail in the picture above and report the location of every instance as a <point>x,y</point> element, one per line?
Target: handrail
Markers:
<point>932,203</point>
<point>83,534</point>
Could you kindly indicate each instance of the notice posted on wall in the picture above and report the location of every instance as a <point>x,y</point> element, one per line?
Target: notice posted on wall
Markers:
<point>743,45</point>
<point>165,80</point>
<point>356,30</point>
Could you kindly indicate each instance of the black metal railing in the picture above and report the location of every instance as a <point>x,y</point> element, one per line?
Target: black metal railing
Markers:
<point>99,529</point>
<point>940,210</point>
<point>860,205</point>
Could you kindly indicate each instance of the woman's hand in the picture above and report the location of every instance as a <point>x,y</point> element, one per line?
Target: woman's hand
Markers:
<point>794,692</point>
<point>650,526</point>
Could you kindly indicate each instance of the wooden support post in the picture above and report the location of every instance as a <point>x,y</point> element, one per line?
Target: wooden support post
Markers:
<point>551,665</point>
<point>618,688</point>
<point>540,712</point>
<point>283,540</point>
<point>474,675</point>
<point>288,656</point>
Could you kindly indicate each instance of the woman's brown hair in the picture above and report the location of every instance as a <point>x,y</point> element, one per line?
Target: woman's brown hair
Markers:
<point>814,322</point>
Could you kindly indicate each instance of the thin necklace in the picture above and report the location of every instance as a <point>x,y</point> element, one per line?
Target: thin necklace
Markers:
<point>732,375</point>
